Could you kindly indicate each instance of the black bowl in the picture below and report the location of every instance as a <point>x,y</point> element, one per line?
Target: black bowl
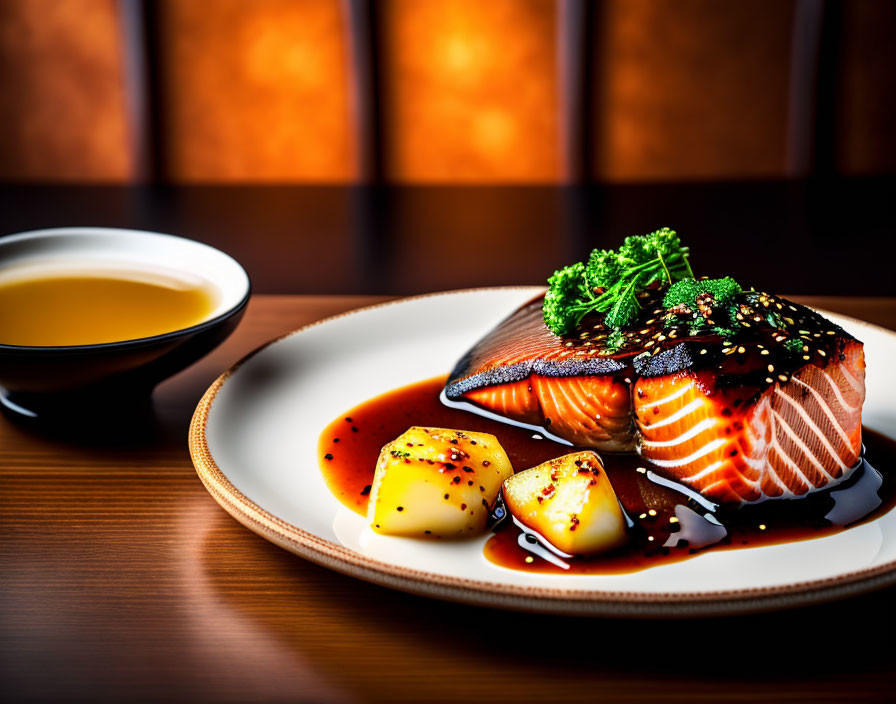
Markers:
<point>65,383</point>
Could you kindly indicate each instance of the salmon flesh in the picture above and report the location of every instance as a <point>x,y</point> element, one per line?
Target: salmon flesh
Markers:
<point>769,412</point>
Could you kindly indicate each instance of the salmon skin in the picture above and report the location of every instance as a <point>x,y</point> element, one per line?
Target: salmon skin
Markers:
<point>524,373</point>
<point>769,412</point>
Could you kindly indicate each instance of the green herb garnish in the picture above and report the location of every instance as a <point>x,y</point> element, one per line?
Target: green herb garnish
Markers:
<point>611,281</point>
<point>702,304</point>
<point>794,345</point>
<point>691,294</point>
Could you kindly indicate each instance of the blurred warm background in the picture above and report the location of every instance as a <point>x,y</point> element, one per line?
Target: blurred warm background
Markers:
<point>444,91</point>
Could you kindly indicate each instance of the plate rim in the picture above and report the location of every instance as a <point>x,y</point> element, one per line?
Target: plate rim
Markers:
<point>530,598</point>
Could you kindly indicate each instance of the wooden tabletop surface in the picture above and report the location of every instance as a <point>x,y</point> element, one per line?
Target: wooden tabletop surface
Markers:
<point>123,580</point>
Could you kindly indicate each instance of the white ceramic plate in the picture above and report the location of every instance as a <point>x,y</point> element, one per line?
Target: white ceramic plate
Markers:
<point>254,443</point>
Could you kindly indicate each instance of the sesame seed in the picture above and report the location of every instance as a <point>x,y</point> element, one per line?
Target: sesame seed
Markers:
<point>764,352</point>
<point>831,332</point>
<point>822,353</point>
<point>771,367</point>
<point>643,515</point>
<point>782,377</point>
<point>530,559</point>
<point>642,470</point>
<point>703,351</point>
<point>673,520</point>
<point>741,349</point>
<point>806,357</point>
<point>769,380</point>
<point>651,512</point>
<point>650,538</point>
<point>762,526</point>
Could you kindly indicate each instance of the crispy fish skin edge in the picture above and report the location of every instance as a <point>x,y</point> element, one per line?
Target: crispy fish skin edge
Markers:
<point>681,357</point>
<point>459,385</point>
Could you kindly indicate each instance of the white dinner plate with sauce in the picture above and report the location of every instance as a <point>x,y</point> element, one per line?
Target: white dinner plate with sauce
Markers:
<point>254,442</point>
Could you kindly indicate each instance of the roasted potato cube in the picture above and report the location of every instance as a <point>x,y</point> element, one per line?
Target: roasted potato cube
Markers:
<point>570,502</point>
<point>435,482</point>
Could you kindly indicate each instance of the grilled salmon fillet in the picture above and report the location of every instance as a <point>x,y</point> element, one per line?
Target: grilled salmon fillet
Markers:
<point>767,413</point>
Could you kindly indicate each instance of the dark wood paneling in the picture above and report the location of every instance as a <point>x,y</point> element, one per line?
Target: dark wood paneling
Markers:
<point>834,237</point>
<point>865,102</point>
<point>63,103</point>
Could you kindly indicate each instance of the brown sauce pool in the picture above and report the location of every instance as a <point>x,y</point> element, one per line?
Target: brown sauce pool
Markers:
<point>669,524</point>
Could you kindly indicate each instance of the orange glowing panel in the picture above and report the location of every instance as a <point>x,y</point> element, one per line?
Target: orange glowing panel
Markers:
<point>469,91</point>
<point>692,89</point>
<point>256,91</point>
<point>63,104</point>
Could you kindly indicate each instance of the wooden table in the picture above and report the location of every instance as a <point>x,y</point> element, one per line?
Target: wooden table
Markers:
<point>123,580</point>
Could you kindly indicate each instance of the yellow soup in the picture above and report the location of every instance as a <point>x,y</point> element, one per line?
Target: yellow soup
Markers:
<point>92,308</point>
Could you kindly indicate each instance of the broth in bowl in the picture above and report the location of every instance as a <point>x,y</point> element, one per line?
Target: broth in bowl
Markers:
<point>95,306</point>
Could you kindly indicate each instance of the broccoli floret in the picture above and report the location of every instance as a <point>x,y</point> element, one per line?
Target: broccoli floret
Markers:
<point>664,242</point>
<point>562,298</point>
<point>603,269</point>
<point>611,281</point>
<point>685,293</point>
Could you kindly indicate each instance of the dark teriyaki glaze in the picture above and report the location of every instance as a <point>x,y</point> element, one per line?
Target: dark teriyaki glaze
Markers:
<point>353,442</point>
<point>670,523</point>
